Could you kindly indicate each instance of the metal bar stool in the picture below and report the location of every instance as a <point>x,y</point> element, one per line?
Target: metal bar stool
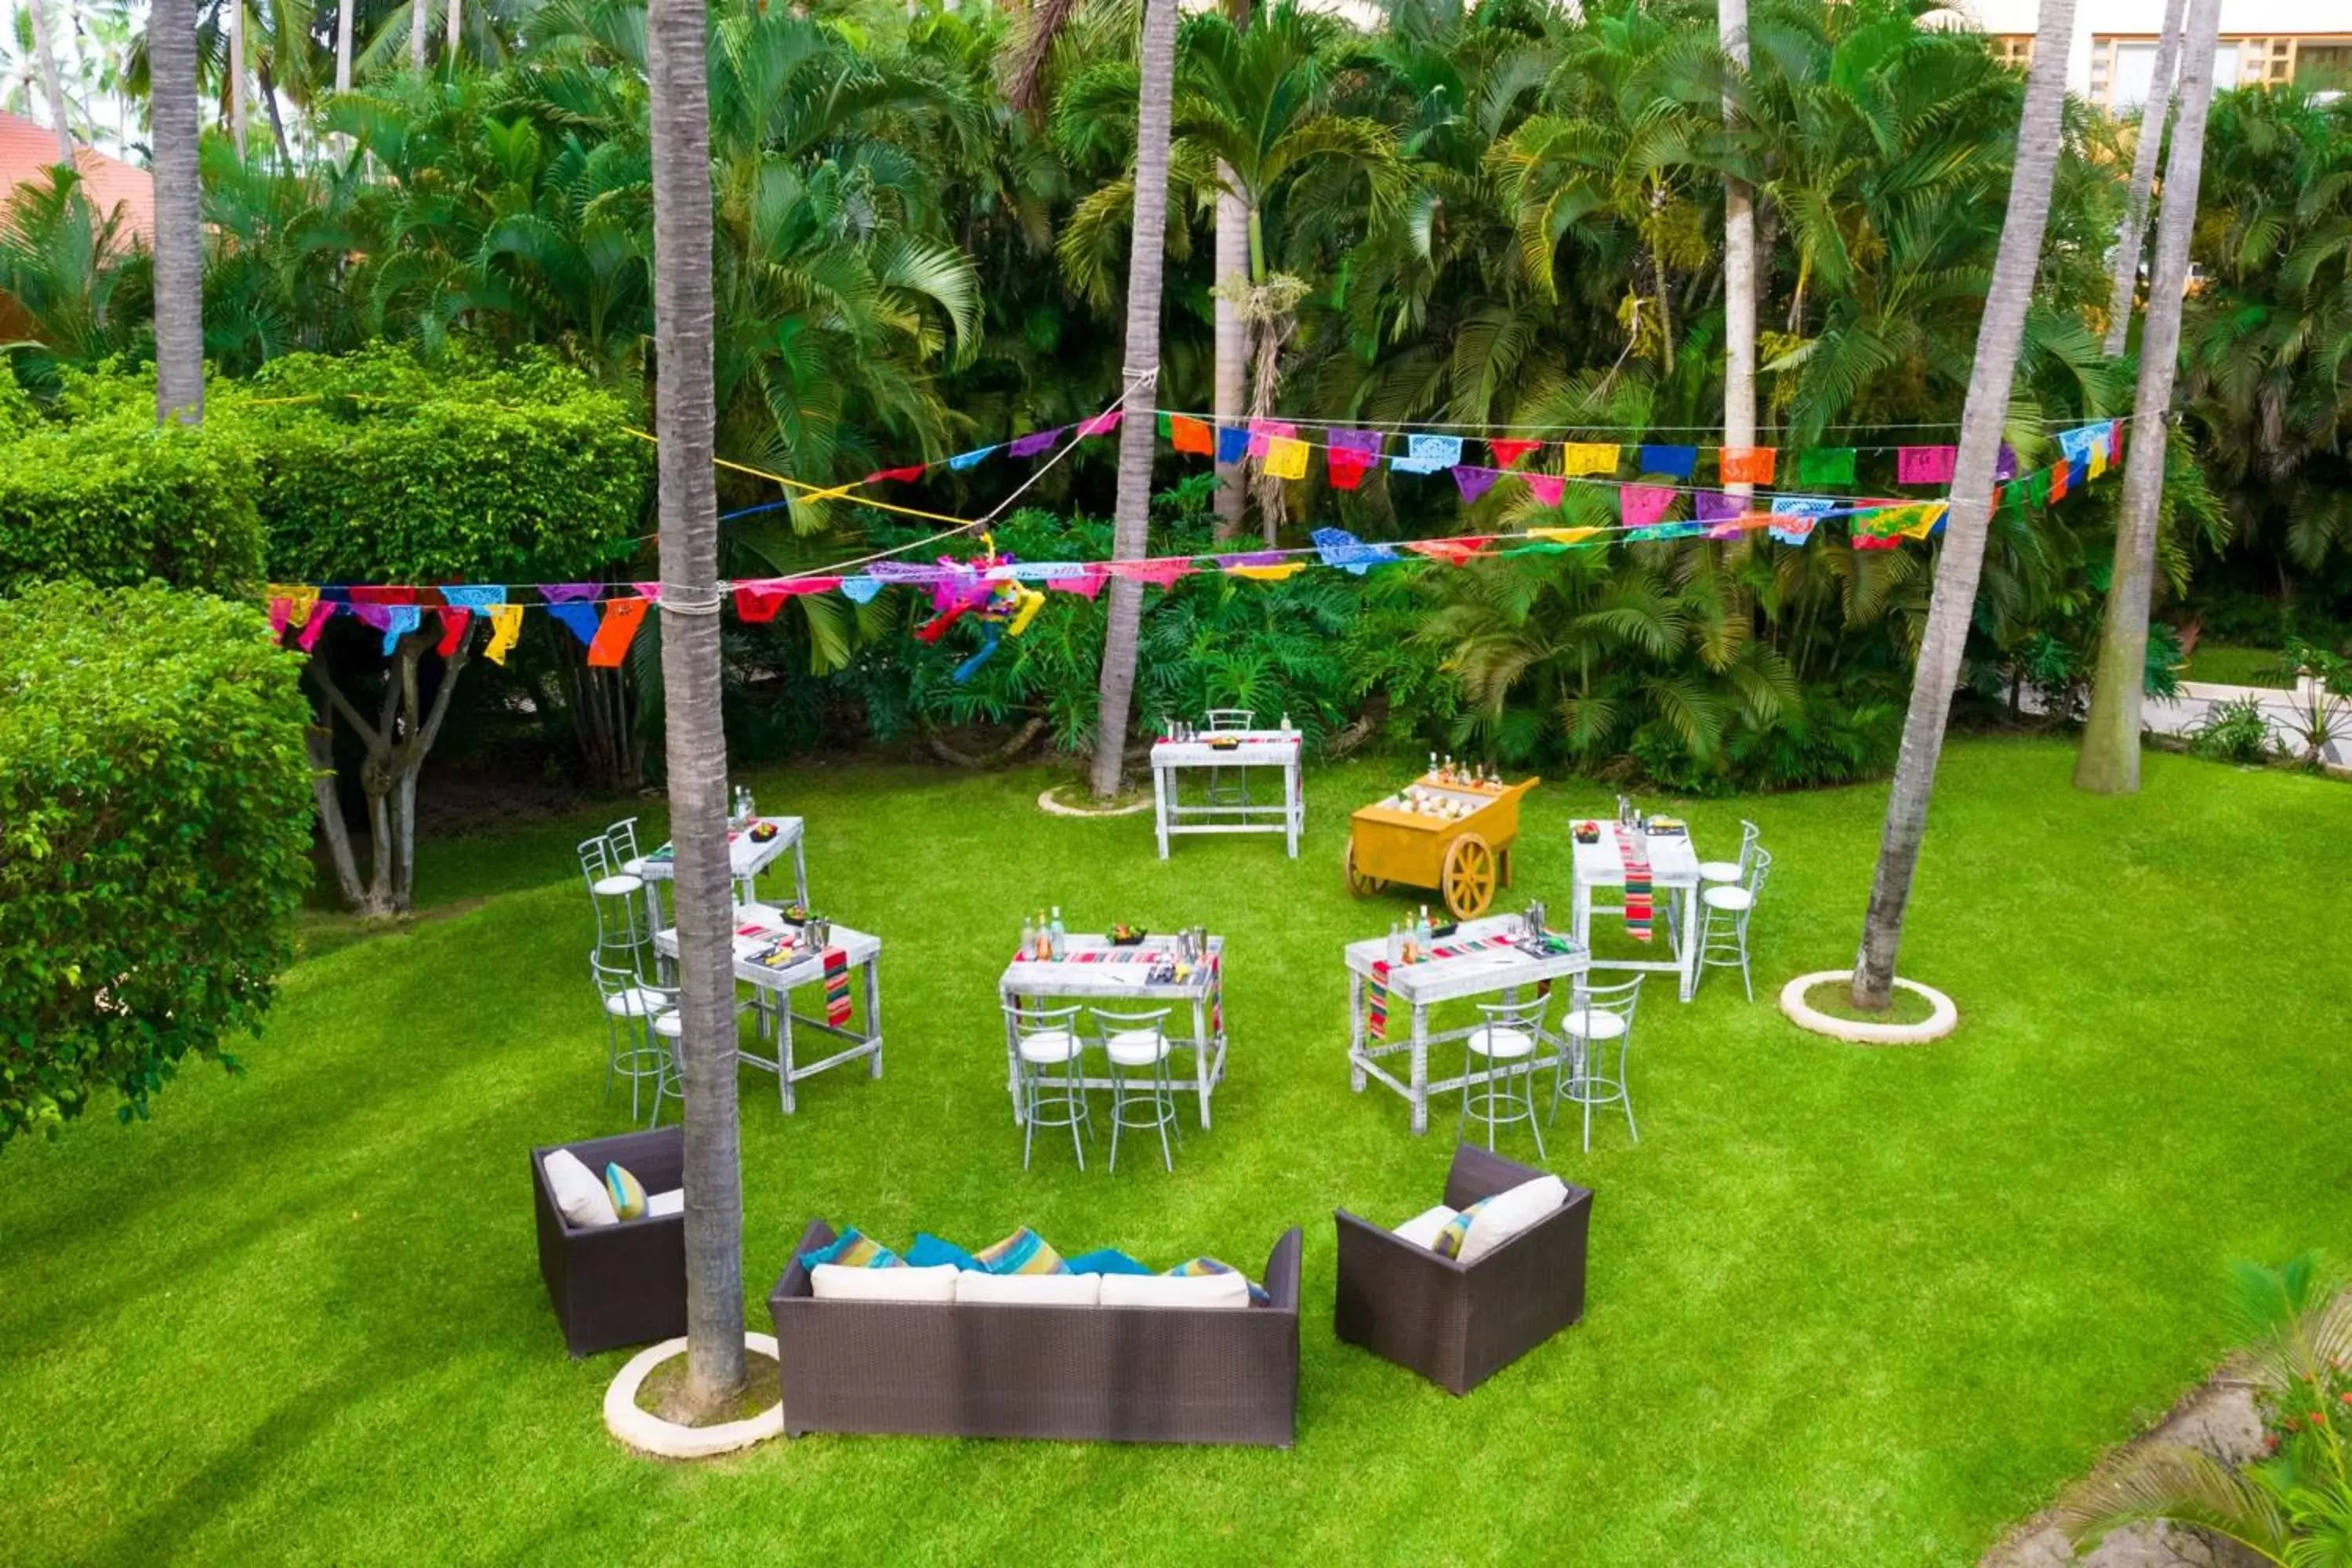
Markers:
<point>1724,939</point>
<point>1045,1039</point>
<point>1229,786</point>
<point>623,935</point>
<point>1134,1041</point>
<point>1733,871</point>
<point>1506,1043</point>
<point>631,1011</point>
<point>1597,1018</point>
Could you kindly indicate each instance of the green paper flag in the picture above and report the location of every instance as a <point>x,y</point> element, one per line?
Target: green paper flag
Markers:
<point>1166,428</point>
<point>1825,466</point>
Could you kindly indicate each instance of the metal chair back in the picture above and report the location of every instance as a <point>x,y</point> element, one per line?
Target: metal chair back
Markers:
<point>1223,718</point>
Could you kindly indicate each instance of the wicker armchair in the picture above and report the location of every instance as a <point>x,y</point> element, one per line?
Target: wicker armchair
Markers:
<point>1126,1375</point>
<point>619,1284</point>
<point>1458,1326</point>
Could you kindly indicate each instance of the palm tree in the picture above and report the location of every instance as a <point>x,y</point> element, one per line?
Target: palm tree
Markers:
<point>678,87</point>
<point>39,21</point>
<point>1738,259</point>
<point>344,45</point>
<point>1230,388</point>
<point>419,17</point>
<point>2131,229</point>
<point>2039,134</point>
<point>1147,259</point>
<point>236,76</point>
<point>179,237</point>
<point>2108,762</point>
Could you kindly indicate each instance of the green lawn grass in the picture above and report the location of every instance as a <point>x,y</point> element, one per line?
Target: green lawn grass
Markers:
<point>1847,1306</point>
<point>2227,666</point>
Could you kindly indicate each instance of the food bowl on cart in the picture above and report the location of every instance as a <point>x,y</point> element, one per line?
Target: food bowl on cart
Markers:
<point>1453,836</point>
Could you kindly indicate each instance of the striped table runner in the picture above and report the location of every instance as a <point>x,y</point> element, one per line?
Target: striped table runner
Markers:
<point>1633,853</point>
<point>836,987</point>
<point>1376,1008</point>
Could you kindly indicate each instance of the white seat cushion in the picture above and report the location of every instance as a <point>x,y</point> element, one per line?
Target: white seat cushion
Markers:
<point>1421,1229</point>
<point>669,1025</point>
<point>635,1003</point>
<point>1034,1289</point>
<point>1137,1048</point>
<point>843,1282</point>
<point>634,866</point>
<point>1508,1213</point>
<point>668,1203</point>
<point>1719,870</point>
<point>1218,1291</point>
<point>1048,1046</point>
<point>1728,898</point>
<point>619,886</point>
<point>1502,1044</point>
<point>1592,1024</point>
<point>579,1197</point>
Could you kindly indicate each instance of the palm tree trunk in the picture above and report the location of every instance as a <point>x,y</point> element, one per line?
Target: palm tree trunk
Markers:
<point>179,236</point>
<point>50,84</point>
<point>2109,760</point>
<point>2131,229</point>
<point>1999,335</point>
<point>236,77</point>
<point>1130,516</point>
<point>457,18</point>
<point>697,739</point>
<point>1232,345</point>
<point>420,17</point>
<point>1738,264</point>
<point>344,46</point>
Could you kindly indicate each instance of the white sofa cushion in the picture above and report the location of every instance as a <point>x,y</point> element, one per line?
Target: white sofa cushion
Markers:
<point>1183,1290</point>
<point>1421,1229</point>
<point>849,1282</point>
<point>1509,1211</point>
<point>668,1203</point>
<point>579,1197</point>
<point>1033,1290</point>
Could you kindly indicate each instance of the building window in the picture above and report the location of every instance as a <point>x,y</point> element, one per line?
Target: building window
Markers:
<point>2014,50</point>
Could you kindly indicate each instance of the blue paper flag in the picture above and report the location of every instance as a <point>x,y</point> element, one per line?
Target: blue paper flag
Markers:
<point>972,459</point>
<point>581,618</point>
<point>1426,454</point>
<point>471,596</point>
<point>1680,462</point>
<point>1344,549</point>
<point>861,590</point>
<point>1232,443</point>
<point>399,621</point>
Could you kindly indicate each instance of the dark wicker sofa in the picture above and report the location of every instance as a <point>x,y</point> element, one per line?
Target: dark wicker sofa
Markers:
<point>1458,1326</point>
<point>619,1284</point>
<point>1127,1375</point>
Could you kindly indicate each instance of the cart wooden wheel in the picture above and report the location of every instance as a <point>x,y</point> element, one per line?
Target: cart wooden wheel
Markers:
<point>1360,883</point>
<point>1469,884</point>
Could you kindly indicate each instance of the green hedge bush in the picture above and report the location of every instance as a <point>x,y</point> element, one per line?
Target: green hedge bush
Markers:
<point>113,500</point>
<point>154,835</point>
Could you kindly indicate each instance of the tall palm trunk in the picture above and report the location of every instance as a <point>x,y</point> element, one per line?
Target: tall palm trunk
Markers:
<point>1999,336</point>
<point>1232,345</point>
<point>420,17</point>
<point>2131,229</point>
<point>179,236</point>
<point>344,46</point>
<point>1738,264</point>
<point>696,739</point>
<point>1130,516</point>
<point>48,63</point>
<point>237,109</point>
<point>449,46</point>
<point>2109,760</point>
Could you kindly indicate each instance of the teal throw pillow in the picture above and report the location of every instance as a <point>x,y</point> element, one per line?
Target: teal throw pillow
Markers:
<point>1105,1260</point>
<point>853,1248</point>
<point>1023,1252</point>
<point>1196,1265</point>
<point>930,1252</point>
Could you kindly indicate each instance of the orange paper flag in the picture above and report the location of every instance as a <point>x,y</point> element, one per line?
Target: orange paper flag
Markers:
<point>1191,434</point>
<point>616,632</point>
<point>1750,464</point>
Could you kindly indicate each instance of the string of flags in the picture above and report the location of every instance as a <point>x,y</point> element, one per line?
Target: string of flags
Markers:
<point>1003,594</point>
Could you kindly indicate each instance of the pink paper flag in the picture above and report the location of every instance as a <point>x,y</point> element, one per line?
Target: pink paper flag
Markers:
<point>1262,431</point>
<point>1548,488</point>
<point>1159,574</point>
<point>1102,424</point>
<point>1925,464</point>
<point>308,638</point>
<point>1641,505</point>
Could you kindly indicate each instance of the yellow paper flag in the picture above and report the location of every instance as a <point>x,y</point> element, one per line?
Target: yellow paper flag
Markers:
<point>506,625</point>
<point>1285,457</point>
<point>1268,574</point>
<point>1589,457</point>
<point>1563,535</point>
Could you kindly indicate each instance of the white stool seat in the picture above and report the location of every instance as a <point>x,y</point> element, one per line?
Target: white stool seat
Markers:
<point>1719,871</point>
<point>634,866</point>
<point>617,887</point>
<point>1048,1047</point>
<point>1593,1024</point>
<point>669,1025</point>
<point>1733,899</point>
<point>1502,1044</point>
<point>1137,1048</point>
<point>636,1002</point>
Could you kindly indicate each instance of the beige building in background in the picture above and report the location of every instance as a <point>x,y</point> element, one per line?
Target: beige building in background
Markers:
<point>2263,43</point>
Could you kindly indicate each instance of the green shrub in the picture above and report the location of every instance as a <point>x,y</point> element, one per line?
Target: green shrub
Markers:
<point>117,502</point>
<point>154,828</point>
<point>2238,731</point>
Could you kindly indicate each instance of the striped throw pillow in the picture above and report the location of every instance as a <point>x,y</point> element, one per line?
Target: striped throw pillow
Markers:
<point>1023,1252</point>
<point>1457,1229</point>
<point>1196,1265</point>
<point>853,1248</point>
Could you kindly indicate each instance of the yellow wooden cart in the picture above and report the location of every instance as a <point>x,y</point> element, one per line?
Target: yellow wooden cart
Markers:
<point>1464,857</point>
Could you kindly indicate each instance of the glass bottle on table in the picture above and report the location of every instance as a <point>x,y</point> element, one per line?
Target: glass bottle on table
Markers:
<point>1058,940</point>
<point>1028,937</point>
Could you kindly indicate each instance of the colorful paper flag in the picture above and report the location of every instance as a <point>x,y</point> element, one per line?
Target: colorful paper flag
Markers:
<point>1507,454</point>
<point>1562,536</point>
<point>1159,574</point>
<point>1263,432</point>
<point>316,622</point>
<point>1794,516</point>
<point>759,601</point>
<point>1825,466</point>
<point>1452,551</point>
<point>973,458</point>
<point>1678,462</point>
<point>1548,488</point>
<point>1749,465</point>
<point>1087,585</point>
<point>1474,482</point>
<point>1425,453</point>
<point>2004,463</point>
<point>1340,548</point>
<point>618,630</point>
<point>1037,441</point>
<point>1641,505</point>
<point>897,476</point>
<point>1232,443</point>
<point>1102,424</point>
<point>1262,566</point>
<point>581,618</point>
<point>506,626</point>
<point>1192,435</point>
<point>568,593</point>
<point>453,631</point>
<point>1285,457</point>
<point>1929,520</point>
<point>475,595</point>
<point>1351,455</point>
<point>1925,464</point>
<point>1578,457</point>
<point>290,604</point>
<point>1720,513</point>
<point>860,590</point>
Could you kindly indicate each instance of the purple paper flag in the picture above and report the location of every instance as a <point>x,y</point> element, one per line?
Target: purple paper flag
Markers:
<point>569,593</point>
<point>1474,481</point>
<point>1641,505</point>
<point>1925,464</point>
<point>1037,441</point>
<point>2004,467</point>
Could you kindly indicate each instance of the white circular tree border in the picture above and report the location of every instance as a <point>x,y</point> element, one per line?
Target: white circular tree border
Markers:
<point>1941,1022</point>
<point>647,1432</point>
<point>1051,806</point>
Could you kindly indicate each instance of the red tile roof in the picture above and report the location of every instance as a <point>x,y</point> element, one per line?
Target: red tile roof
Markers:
<point>30,149</point>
